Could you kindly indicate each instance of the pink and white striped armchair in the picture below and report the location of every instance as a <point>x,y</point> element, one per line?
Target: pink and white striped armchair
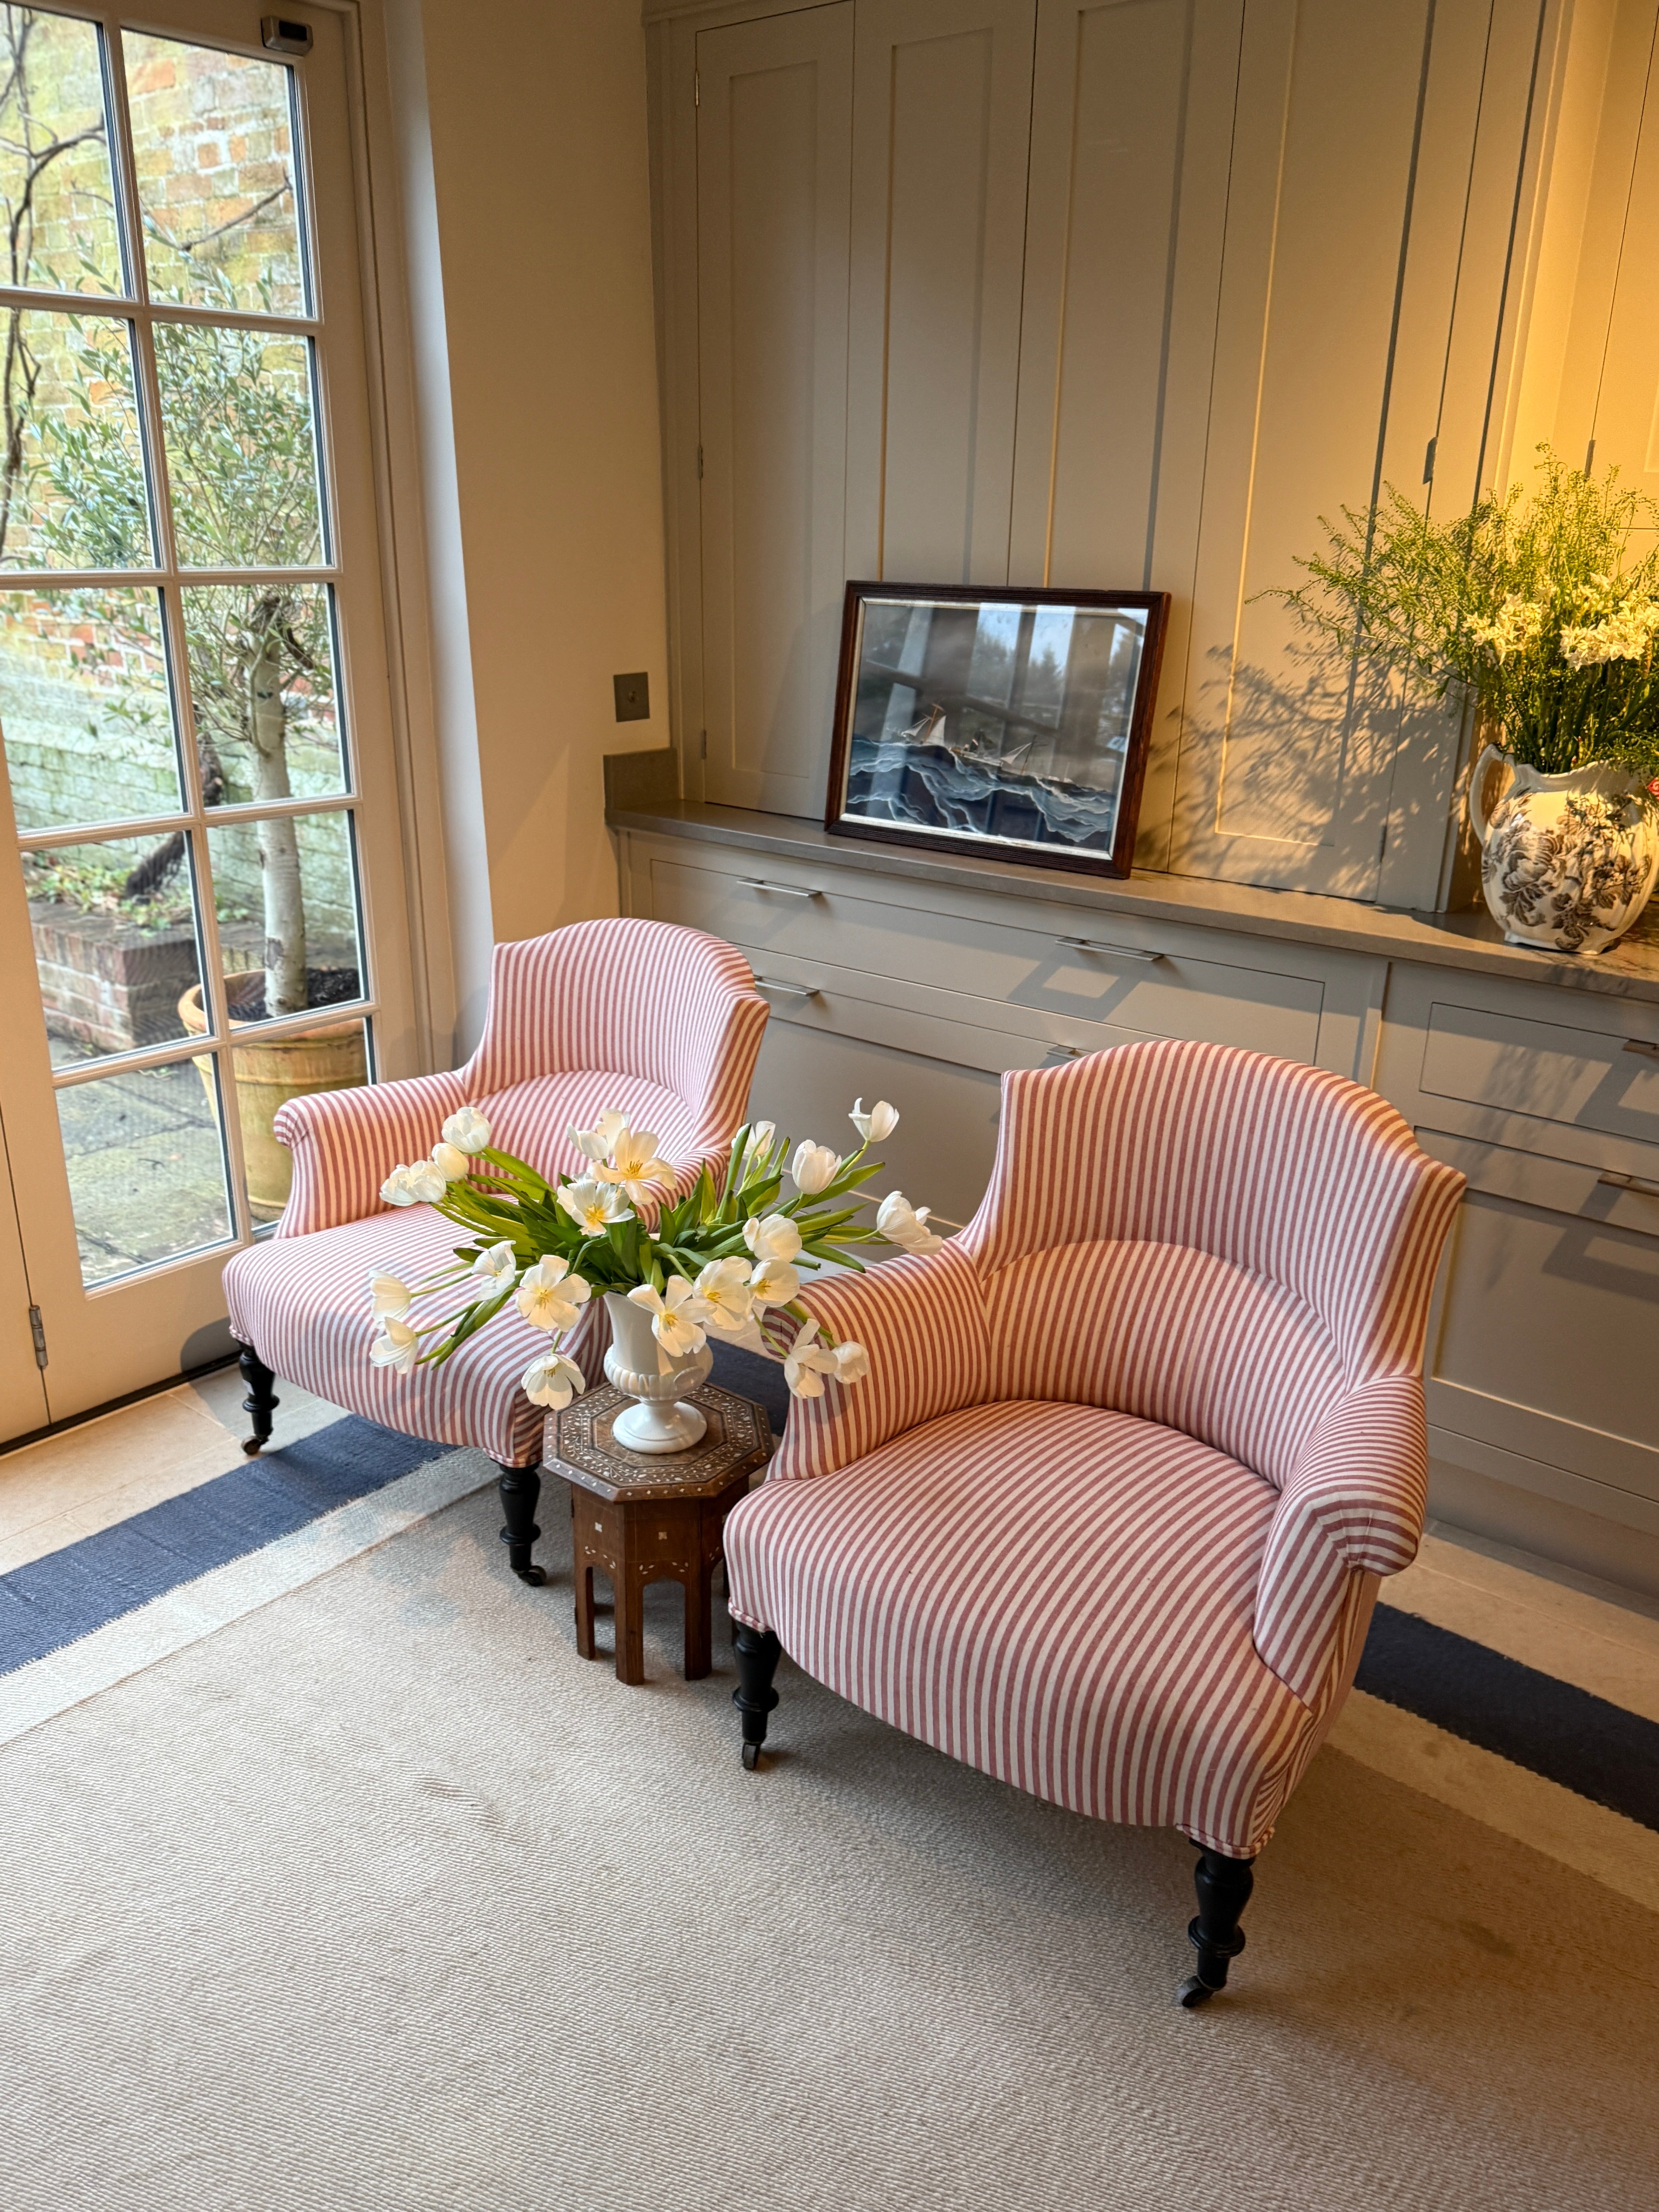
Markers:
<point>664,1023</point>
<point>1107,1519</point>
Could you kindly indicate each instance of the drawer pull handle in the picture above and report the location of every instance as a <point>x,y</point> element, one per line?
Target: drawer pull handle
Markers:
<point>783,891</point>
<point>788,990</point>
<point>1640,1044</point>
<point>1112,951</point>
<point>1640,1184</point>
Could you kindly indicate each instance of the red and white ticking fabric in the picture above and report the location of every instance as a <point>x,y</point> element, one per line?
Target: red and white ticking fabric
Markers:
<point>662,1023</point>
<point>1108,1517</point>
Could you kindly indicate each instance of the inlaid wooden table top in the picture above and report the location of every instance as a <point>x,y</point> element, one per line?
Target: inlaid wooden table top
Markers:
<point>580,1446</point>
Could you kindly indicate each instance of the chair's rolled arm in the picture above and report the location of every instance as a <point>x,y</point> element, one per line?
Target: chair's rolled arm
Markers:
<point>345,1143</point>
<point>1353,1505</point>
<point>922,1322</point>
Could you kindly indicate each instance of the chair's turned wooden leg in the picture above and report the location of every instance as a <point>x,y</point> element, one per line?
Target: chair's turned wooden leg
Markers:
<point>520,1488</point>
<point>1223,1891</point>
<point>261,1401</point>
<point>758,1653</point>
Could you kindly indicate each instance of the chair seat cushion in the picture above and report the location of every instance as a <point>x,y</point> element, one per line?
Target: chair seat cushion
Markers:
<point>302,1301</point>
<point>1056,1593</point>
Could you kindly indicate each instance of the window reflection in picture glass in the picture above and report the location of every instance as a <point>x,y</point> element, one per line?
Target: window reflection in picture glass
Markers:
<point>1003,721</point>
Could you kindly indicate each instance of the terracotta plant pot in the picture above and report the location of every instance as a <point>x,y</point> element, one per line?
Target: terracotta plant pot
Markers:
<point>268,1072</point>
<point>1567,862</point>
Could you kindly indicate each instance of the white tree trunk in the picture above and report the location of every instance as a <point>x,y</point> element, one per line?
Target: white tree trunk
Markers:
<point>279,846</point>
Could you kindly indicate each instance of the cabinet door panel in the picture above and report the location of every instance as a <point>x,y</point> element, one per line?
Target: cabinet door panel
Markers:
<point>1132,124</point>
<point>1548,1317</point>
<point>1318,207</point>
<point>773,150</point>
<point>941,129</point>
<point>939,1156</point>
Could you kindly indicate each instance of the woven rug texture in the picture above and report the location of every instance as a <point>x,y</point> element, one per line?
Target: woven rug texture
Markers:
<point>380,1899</point>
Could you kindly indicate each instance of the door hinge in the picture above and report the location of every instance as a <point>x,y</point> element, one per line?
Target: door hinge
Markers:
<point>699,464</point>
<point>37,1331</point>
<point>1428,461</point>
<point>1589,457</point>
<point>697,87</point>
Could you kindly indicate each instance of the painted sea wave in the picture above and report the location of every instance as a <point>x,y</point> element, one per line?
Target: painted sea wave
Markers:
<point>923,786</point>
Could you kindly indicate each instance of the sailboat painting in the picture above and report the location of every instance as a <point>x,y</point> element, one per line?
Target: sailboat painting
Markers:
<point>1010,724</point>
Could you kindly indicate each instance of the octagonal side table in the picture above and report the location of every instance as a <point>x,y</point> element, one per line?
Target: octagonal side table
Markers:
<point>650,1517</point>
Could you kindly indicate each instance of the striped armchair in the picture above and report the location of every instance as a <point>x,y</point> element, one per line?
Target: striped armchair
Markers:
<point>1108,1518</point>
<point>662,1023</point>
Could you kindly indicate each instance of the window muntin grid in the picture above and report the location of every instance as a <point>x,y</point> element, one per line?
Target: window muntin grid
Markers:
<point>285,556</point>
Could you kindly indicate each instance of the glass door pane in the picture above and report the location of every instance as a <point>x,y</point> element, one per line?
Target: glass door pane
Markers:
<point>181,743</point>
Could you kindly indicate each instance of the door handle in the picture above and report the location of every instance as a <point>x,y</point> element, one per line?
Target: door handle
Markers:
<point>789,990</point>
<point>782,890</point>
<point>1112,951</point>
<point>1640,1044</point>
<point>1642,1187</point>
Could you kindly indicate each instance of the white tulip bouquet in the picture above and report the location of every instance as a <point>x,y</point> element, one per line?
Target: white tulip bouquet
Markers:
<point>713,1263</point>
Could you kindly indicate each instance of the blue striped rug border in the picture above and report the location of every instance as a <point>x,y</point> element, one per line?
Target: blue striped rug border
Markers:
<point>1596,1749</point>
<point>56,1600</point>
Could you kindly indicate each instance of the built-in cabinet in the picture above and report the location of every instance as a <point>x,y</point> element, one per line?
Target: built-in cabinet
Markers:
<point>1095,293</point>
<point>896,976</point>
<point>1128,293</point>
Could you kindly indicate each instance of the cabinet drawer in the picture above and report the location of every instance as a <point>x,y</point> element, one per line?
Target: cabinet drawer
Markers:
<point>1113,972</point>
<point>1588,1193</point>
<point>1580,1078</point>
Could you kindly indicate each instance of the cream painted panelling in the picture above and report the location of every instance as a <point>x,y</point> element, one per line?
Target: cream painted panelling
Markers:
<point>941,128</point>
<point>773,148</point>
<point>1372,205</point>
<point>1135,291</point>
<point>1129,200</point>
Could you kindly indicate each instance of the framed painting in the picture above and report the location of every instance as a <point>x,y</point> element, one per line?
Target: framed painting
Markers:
<point>1010,724</point>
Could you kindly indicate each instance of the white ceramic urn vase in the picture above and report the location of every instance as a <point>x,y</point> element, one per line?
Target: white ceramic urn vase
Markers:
<point>1567,862</point>
<point>659,1420</point>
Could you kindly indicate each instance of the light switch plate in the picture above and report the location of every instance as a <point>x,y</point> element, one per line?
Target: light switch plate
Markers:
<point>633,697</point>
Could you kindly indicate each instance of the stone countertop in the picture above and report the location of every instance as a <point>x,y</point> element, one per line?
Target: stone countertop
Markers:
<point>1471,941</point>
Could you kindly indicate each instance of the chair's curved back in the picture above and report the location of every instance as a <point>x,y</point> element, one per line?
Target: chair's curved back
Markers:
<point>1208,1237</point>
<point>673,1005</point>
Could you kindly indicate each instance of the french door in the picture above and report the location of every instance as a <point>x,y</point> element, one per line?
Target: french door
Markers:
<point>201,900</point>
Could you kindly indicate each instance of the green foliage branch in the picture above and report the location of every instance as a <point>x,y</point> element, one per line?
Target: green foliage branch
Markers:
<point>1535,603</point>
<point>506,1200</point>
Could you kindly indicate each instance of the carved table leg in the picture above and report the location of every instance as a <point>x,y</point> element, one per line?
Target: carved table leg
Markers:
<point>261,1401</point>
<point>629,1616</point>
<point>699,1609</point>
<point>520,1488</point>
<point>1223,1891</point>
<point>585,1648</point>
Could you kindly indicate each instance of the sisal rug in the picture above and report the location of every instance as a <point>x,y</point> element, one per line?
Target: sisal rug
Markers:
<point>380,1899</point>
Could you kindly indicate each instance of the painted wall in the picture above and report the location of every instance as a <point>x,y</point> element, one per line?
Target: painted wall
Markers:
<point>537,115</point>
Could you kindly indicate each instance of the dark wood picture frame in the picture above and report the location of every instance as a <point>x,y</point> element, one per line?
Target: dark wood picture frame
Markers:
<point>1042,853</point>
